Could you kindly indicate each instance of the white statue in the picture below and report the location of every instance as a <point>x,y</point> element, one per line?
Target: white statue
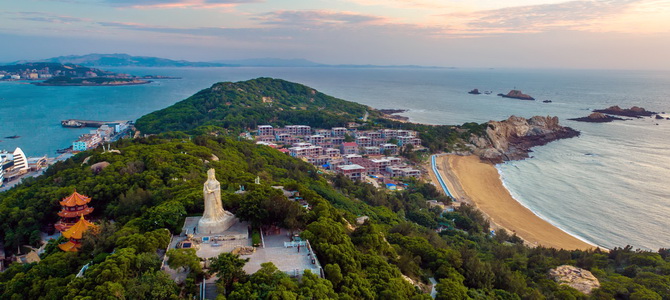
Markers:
<point>215,219</point>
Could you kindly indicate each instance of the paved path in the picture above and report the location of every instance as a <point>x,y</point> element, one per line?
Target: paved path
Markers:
<point>433,291</point>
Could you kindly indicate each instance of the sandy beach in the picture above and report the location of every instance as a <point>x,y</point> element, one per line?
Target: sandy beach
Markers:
<point>478,183</point>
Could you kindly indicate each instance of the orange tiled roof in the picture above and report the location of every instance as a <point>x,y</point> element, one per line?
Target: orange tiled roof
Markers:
<point>77,230</point>
<point>75,199</point>
<point>69,246</point>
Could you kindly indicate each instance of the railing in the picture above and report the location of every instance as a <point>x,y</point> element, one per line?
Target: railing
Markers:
<point>439,177</point>
<point>294,244</point>
<point>202,289</point>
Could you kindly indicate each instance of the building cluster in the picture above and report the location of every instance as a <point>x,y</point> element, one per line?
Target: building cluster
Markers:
<point>105,133</point>
<point>367,152</point>
<point>45,73</point>
<point>15,164</point>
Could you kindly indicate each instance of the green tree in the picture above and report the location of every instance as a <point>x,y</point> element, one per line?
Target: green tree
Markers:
<point>184,258</point>
<point>228,267</point>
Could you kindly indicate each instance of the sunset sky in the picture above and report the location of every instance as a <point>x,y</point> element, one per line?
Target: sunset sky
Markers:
<point>613,34</point>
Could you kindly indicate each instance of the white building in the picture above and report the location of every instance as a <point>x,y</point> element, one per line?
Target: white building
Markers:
<point>20,161</point>
<point>2,170</point>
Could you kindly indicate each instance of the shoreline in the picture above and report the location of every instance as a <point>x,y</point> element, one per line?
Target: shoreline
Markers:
<point>478,183</point>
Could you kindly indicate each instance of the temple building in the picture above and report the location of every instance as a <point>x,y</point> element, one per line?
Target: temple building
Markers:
<point>75,233</point>
<point>73,207</point>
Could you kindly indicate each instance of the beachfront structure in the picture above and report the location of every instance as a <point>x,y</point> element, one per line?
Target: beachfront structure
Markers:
<point>265,130</point>
<point>20,161</point>
<point>339,131</point>
<point>72,208</point>
<point>332,152</point>
<point>2,171</point>
<point>353,172</point>
<point>299,129</point>
<point>74,234</point>
<point>396,171</point>
<point>349,148</point>
<point>364,141</point>
<point>389,149</point>
<point>303,151</point>
<point>372,150</point>
<point>86,141</point>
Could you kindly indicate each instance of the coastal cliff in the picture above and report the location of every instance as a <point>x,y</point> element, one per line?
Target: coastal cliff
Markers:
<point>513,138</point>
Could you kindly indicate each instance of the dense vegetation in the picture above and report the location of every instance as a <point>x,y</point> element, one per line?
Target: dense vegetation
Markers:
<point>149,188</point>
<point>155,182</point>
<point>246,104</point>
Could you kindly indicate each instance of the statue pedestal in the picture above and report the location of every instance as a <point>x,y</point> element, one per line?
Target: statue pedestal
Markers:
<point>215,225</point>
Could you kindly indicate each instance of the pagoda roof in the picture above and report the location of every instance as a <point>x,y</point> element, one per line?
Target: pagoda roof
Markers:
<point>75,199</point>
<point>69,246</point>
<point>71,214</point>
<point>77,230</point>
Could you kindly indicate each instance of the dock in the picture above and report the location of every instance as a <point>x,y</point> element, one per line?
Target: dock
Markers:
<point>75,123</point>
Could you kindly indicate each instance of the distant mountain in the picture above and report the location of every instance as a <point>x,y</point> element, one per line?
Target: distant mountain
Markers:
<point>124,60</point>
<point>272,62</point>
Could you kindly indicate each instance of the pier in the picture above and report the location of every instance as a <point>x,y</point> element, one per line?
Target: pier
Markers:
<point>75,123</point>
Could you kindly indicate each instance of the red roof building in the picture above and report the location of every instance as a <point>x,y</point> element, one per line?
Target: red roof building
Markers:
<point>73,207</point>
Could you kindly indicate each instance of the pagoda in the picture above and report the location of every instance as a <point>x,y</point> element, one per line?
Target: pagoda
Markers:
<point>74,234</point>
<point>73,207</point>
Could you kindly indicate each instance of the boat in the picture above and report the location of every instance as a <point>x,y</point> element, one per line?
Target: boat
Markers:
<point>474,92</point>
<point>13,137</point>
<point>488,92</point>
<point>546,101</point>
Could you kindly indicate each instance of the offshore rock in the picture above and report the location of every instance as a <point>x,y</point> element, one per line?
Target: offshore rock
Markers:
<point>597,117</point>
<point>513,138</point>
<point>516,94</point>
<point>635,111</point>
<point>577,278</point>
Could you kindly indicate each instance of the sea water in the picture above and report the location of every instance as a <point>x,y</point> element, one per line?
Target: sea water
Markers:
<point>609,186</point>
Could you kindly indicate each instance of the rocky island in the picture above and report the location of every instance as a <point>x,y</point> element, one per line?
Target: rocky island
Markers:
<point>516,94</point>
<point>597,117</point>
<point>513,138</point>
<point>634,112</point>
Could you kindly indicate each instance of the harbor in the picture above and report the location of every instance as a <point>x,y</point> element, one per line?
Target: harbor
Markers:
<point>15,166</point>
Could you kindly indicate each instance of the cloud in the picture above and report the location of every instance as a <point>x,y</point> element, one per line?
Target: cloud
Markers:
<point>317,18</point>
<point>572,15</point>
<point>45,17</point>
<point>178,3</point>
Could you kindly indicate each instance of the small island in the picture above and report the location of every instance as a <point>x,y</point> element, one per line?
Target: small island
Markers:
<point>634,112</point>
<point>516,94</point>
<point>597,117</point>
<point>56,74</point>
<point>96,81</point>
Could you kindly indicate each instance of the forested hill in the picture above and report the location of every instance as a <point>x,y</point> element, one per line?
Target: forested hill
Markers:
<point>245,104</point>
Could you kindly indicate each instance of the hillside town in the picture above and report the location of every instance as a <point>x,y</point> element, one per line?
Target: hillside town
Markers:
<point>36,71</point>
<point>357,154</point>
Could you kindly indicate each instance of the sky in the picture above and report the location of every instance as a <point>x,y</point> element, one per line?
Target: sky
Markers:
<point>581,34</point>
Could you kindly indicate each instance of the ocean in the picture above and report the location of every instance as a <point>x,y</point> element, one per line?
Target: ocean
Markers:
<point>608,187</point>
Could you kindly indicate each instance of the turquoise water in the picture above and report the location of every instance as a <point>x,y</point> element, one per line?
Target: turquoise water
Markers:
<point>608,187</point>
